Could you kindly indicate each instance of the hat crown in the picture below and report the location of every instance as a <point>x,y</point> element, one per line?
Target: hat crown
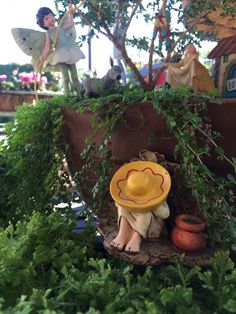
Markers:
<point>140,186</point>
<point>139,183</point>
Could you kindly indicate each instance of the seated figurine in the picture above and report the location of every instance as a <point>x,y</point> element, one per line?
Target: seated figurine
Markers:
<point>189,71</point>
<point>139,190</point>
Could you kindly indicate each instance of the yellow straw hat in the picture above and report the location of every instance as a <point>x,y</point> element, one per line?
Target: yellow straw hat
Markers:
<point>140,186</point>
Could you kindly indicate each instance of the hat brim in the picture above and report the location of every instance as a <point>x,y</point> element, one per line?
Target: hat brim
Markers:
<point>156,196</point>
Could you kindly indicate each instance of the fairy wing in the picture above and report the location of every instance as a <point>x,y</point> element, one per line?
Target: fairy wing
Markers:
<point>31,42</point>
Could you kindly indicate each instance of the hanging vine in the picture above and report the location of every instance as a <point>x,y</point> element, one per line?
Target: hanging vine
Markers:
<point>188,121</point>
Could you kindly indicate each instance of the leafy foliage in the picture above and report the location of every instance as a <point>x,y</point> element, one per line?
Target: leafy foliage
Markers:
<point>189,122</point>
<point>31,160</point>
<point>220,285</point>
<point>37,252</point>
<point>46,268</point>
<point>113,19</point>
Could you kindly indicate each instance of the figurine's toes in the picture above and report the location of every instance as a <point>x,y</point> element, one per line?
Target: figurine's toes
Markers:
<point>129,249</point>
<point>117,245</point>
<point>114,243</point>
<point>120,247</point>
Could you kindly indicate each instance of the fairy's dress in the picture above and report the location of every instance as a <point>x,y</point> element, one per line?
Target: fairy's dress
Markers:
<point>64,57</point>
<point>189,71</point>
<point>66,51</point>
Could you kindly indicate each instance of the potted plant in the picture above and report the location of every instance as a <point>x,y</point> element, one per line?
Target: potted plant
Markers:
<point>104,133</point>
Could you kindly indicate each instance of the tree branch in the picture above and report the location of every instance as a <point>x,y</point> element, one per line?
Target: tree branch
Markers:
<point>150,61</point>
<point>130,19</point>
<point>119,8</point>
<point>87,21</point>
<point>114,38</point>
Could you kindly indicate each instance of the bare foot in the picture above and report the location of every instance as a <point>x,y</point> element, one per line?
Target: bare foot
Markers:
<point>119,242</point>
<point>124,235</point>
<point>134,244</point>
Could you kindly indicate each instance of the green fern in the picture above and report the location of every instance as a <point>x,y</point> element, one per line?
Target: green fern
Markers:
<point>220,282</point>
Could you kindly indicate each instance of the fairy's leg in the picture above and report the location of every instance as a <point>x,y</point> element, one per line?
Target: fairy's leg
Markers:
<point>124,234</point>
<point>75,79</point>
<point>65,76</point>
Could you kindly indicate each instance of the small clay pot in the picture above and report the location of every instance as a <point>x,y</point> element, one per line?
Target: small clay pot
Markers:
<point>188,234</point>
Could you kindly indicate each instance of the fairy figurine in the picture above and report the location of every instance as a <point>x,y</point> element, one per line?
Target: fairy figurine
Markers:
<point>56,48</point>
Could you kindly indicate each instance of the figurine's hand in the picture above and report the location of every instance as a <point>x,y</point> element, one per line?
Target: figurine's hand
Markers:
<point>43,57</point>
<point>163,211</point>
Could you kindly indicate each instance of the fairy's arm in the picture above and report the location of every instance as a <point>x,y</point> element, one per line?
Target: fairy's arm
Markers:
<point>70,20</point>
<point>46,49</point>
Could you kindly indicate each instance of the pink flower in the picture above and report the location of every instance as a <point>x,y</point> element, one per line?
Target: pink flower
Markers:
<point>33,76</point>
<point>15,72</point>
<point>43,80</point>
<point>3,77</point>
<point>25,77</point>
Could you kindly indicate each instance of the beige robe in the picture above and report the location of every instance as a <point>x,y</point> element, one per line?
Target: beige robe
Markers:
<point>148,224</point>
<point>189,71</point>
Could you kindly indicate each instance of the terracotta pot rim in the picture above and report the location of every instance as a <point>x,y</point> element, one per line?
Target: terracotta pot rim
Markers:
<point>199,226</point>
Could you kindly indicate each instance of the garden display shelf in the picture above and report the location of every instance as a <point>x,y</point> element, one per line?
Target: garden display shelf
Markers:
<point>9,100</point>
<point>132,135</point>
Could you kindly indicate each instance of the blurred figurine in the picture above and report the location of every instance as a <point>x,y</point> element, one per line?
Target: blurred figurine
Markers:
<point>189,71</point>
<point>96,87</point>
<point>56,47</point>
<point>139,190</point>
<point>162,28</point>
<point>185,3</point>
